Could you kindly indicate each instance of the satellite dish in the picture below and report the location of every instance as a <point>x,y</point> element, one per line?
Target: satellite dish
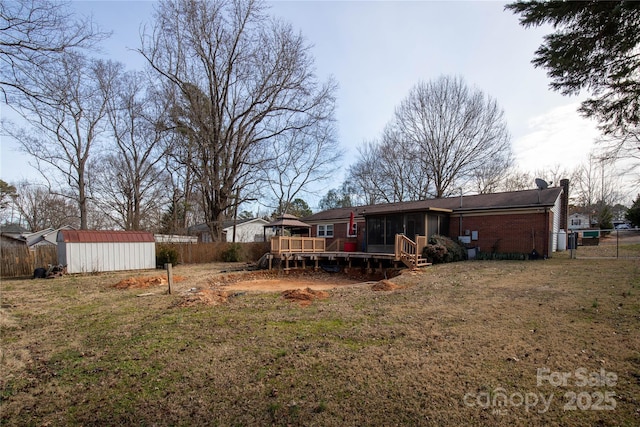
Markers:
<point>541,184</point>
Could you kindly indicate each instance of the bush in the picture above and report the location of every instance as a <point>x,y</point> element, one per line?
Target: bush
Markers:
<point>166,255</point>
<point>441,249</point>
<point>435,254</point>
<point>233,253</point>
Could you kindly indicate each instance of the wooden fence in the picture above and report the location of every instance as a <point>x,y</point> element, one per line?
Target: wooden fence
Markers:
<point>19,261</point>
<point>200,253</point>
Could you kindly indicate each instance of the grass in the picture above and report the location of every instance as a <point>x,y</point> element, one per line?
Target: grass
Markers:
<point>77,351</point>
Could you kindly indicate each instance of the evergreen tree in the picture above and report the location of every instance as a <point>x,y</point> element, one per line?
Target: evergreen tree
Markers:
<point>633,214</point>
<point>605,217</point>
<point>594,48</point>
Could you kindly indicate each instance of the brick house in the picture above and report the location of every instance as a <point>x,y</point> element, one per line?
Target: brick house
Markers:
<point>518,221</point>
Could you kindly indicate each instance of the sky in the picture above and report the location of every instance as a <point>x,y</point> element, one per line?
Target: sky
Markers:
<point>377,51</point>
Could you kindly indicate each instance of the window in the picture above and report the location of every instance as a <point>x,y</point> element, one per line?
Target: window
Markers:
<point>353,232</point>
<point>325,230</point>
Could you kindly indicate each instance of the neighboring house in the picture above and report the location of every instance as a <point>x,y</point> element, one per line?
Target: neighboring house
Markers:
<point>7,240</point>
<point>19,235</point>
<point>247,230</point>
<point>518,221</point>
<point>13,235</point>
<point>578,221</point>
<point>88,251</point>
<point>45,237</point>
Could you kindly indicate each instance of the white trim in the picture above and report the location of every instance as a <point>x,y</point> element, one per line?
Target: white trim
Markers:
<point>325,230</point>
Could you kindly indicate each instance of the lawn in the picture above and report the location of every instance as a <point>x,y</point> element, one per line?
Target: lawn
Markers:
<point>552,342</point>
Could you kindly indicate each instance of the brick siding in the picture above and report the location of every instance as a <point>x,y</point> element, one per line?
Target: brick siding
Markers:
<point>507,233</point>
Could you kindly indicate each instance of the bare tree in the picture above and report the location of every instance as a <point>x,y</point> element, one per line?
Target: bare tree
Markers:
<point>35,34</point>
<point>128,179</point>
<point>385,171</point>
<point>488,177</point>
<point>66,129</point>
<point>451,131</point>
<point>367,178</point>
<point>516,180</point>
<point>585,183</point>
<point>624,146</point>
<point>242,79</point>
<point>299,159</point>
<point>402,176</point>
<point>596,182</point>
<point>40,208</point>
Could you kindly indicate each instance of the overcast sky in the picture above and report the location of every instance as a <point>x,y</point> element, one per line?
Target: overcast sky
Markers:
<point>377,51</point>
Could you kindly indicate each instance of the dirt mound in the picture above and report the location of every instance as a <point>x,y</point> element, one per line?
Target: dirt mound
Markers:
<point>203,297</point>
<point>144,282</point>
<point>385,285</point>
<point>304,296</point>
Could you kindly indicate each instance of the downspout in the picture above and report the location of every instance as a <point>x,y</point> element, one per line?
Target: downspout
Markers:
<point>548,238</point>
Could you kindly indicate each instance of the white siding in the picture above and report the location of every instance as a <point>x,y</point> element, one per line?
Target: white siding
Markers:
<point>99,257</point>
<point>556,210</point>
<point>252,231</point>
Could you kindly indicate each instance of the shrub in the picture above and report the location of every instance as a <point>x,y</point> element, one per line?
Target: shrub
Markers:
<point>166,255</point>
<point>233,253</point>
<point>435,254</point>
<point>443,249</point>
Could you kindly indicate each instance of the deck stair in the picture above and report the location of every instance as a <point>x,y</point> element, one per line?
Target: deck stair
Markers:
<point>410,252</point>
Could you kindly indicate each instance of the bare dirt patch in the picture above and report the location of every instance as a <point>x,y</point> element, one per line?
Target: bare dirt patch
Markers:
<point>207,297</point>
<point>276,281</point>
<point>144,282</point>
<point>385,285</point>
<point>304,296</point>
<point>303,286</point>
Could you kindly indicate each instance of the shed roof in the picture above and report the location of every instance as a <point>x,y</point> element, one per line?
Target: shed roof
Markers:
<point>104,236</point>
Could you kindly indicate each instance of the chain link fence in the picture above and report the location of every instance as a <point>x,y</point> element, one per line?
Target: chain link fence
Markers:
<point>584,244</point>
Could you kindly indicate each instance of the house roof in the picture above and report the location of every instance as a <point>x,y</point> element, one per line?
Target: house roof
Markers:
<point>229,223</point>
<point>104,236</point>
<point>507,200</point>
<point>49,234</point>
<point>13,229</point>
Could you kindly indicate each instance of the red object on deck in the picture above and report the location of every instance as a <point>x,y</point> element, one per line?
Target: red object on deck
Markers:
<point>350,246</point>
<point>351,230</point>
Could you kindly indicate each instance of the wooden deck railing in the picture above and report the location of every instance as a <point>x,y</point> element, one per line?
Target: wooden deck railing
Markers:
<point>410,252</point>
<point>285,244</point>
<point>406,250</point>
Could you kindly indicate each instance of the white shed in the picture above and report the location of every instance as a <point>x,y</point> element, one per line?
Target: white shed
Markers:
<point>86,251</point>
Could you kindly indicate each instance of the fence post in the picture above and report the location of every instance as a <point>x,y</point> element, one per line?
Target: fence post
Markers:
<point>169,269</point>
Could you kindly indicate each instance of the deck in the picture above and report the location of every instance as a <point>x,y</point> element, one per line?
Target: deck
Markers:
<point>294,250</point>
